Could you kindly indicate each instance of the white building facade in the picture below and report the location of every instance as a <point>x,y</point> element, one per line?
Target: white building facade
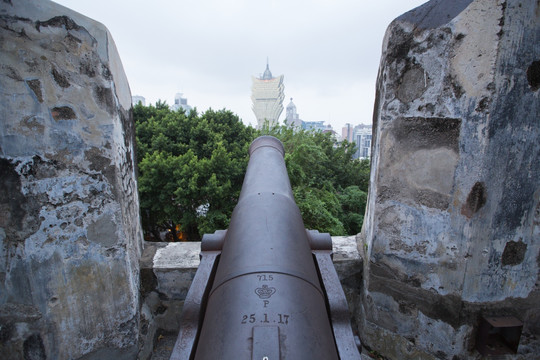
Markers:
<point>267,94</point>
<point>362,138</point>
<point>180,102</point>
<point>292,118</point>
<point>135,99</point>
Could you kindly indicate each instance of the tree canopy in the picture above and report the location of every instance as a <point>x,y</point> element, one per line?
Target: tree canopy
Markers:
<point>329,186</point>
<point>191,169</point>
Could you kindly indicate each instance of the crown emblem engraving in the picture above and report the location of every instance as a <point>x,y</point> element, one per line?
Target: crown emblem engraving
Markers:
<point>265,292</point>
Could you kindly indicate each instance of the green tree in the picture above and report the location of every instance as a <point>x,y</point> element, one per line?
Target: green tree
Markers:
<point>353,203</point>
<point>320,208</point>
<point>191,168</point>
<point>330,187</point>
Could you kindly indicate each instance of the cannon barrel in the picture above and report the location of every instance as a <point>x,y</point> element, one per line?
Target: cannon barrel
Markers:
<point>264,300</point>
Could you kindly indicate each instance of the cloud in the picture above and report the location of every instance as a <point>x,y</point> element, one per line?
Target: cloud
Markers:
<point>208,49</point>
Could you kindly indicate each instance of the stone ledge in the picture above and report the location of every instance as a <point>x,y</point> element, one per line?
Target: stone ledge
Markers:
<point>177,255</point>
<point>185,255</point>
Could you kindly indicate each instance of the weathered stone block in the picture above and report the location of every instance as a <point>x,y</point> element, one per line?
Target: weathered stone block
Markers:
<point>167,270</point>
<point>452,220</point>
<point>70,235</point>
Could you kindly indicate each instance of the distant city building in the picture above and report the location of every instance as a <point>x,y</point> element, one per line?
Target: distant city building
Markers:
<point>292,117</point>
<point>180,102</point>
<point>334,134</point>
<point>138,99</point>
<point>362,138</point>
<point>267,97</point>
<point>347,132</point>
<point>314,125</point>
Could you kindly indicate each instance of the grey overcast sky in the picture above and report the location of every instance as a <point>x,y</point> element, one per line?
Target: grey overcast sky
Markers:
<point>328,50</point>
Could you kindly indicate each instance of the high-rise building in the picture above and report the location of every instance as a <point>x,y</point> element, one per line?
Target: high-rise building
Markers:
<point>267,97</point>
<point>347,132</point>
<point>314,125</point>
<point>292,118</point>
<point>135,99</point>
<point>362,138</point>
<point>180,102</point>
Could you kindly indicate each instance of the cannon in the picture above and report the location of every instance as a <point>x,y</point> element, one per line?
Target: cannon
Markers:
<point>266,288</point>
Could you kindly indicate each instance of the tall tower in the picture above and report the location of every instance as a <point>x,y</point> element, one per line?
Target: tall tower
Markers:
<point>347,132</point>
<point>267,97</point>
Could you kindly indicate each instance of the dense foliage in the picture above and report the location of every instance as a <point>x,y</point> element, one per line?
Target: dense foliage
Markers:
<point>191,169</point>
<point>330,187</point>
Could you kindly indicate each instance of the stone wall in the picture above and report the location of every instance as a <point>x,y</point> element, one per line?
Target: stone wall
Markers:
<point>452,225</point>
<point>70,237</point>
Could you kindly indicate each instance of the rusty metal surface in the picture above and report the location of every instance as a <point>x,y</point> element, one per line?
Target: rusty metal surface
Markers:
<point>266,276</point>
<point>339,309</point>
